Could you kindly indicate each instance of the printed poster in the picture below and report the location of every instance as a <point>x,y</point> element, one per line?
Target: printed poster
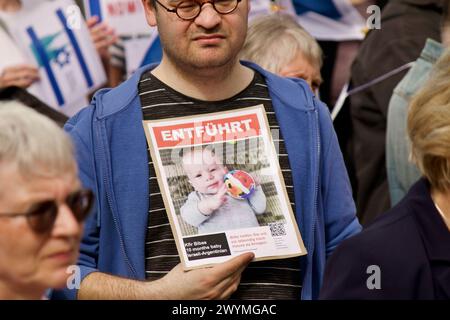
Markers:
<point>127,17</point>
<point>222,187</point>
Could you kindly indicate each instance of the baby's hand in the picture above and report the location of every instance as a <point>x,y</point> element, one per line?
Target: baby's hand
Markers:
<point>208,205</point>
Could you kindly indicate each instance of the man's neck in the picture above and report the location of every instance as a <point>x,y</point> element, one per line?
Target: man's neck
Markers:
<point>211,84</point>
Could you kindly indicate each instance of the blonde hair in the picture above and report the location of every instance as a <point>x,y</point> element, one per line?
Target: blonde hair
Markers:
<point>273,41</point>
<point>429,126</point>
<point>33,142</point>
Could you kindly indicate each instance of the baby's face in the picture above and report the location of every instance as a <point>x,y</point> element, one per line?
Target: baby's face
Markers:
<point>204,171</point>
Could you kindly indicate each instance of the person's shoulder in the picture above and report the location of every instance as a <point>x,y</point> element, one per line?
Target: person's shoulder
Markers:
<point>80,119</point>
<point>390,236</point>
<point>110,101</point>
<point>390,248</point>
<point>290,92</point>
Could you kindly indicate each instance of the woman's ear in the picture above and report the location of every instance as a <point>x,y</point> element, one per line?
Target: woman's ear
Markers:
<point>150,13</point>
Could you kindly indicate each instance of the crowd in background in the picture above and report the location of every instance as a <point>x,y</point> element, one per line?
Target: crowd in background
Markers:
<point>393,131</point>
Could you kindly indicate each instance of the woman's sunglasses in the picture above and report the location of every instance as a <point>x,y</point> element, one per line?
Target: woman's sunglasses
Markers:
<point>42,215</point>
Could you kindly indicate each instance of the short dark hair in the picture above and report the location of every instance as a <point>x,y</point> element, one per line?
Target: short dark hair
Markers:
<point>22,95</point>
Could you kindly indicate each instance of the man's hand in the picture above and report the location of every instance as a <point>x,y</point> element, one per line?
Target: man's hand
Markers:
<point>208,205</point>
<point>217,282</point>
<point>22,76</point>
<point>102,35</point>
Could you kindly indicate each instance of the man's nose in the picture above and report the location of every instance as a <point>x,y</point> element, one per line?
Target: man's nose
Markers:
<point>208,17</point>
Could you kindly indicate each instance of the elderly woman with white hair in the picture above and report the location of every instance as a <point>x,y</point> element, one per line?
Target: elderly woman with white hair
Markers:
<point>42,204</point>
<point>280,45</point>
<point>405,253</point>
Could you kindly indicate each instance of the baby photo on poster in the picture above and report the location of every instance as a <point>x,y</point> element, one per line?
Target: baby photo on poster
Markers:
<point>222,187</point>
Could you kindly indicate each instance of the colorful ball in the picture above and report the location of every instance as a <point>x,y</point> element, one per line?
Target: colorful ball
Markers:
<point>240,184</point>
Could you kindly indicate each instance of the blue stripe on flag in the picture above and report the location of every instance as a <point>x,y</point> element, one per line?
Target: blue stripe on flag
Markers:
<point>153,54</point>
<point>323,7</point>
<point>95,9</point>
<point>40,50</point>
<point>76,47</point>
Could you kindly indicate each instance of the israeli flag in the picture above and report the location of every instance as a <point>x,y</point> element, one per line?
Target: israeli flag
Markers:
<point>69,65</point>
<point>333,20</point>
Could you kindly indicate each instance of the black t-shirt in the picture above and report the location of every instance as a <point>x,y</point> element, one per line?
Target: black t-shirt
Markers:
<point>274,279</point>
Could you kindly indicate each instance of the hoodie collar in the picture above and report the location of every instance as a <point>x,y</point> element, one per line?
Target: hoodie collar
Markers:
<point>114,100</point>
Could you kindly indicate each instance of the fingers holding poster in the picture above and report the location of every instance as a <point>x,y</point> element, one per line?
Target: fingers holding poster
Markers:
<point>222,187</point>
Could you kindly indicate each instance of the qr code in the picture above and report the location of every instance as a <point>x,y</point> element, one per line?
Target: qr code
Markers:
<point>277,229</point>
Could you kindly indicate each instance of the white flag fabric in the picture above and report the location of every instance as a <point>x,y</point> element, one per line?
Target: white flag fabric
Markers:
<point>10,55</point>
<point>332,20</point>
<point>265,7</point>
<point>69,65</point>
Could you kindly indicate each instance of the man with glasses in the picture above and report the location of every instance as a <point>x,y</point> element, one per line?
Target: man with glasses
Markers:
<point>128,250</point>
<point>42,204</point>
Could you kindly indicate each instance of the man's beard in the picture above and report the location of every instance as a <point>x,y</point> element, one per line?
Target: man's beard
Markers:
<point>192,63</point>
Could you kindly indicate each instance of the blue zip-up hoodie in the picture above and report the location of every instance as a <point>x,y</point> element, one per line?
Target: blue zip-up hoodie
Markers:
<point>112,156</point>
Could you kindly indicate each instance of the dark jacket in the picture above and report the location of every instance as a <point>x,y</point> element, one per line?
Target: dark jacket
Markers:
<point>405,26</point>
<point>411,246</point>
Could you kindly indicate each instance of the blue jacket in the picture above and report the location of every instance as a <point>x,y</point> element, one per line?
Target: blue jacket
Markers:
<point>112,156</point>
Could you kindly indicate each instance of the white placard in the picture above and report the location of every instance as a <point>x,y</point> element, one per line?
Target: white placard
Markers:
<point>127,17</point>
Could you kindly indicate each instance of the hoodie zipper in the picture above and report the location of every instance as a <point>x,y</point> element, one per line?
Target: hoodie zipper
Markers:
<point>316,178</point>
<point>316,139</point>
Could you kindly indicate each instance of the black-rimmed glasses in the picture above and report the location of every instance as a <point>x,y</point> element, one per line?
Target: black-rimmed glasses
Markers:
<point>189,10</point>
<point>42,216</point>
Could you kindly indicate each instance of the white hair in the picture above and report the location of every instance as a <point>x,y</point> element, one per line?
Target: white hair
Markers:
<point>273,41</point>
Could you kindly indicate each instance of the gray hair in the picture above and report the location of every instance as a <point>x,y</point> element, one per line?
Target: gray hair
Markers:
<point>273,41</point>
<point>33,142</point>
